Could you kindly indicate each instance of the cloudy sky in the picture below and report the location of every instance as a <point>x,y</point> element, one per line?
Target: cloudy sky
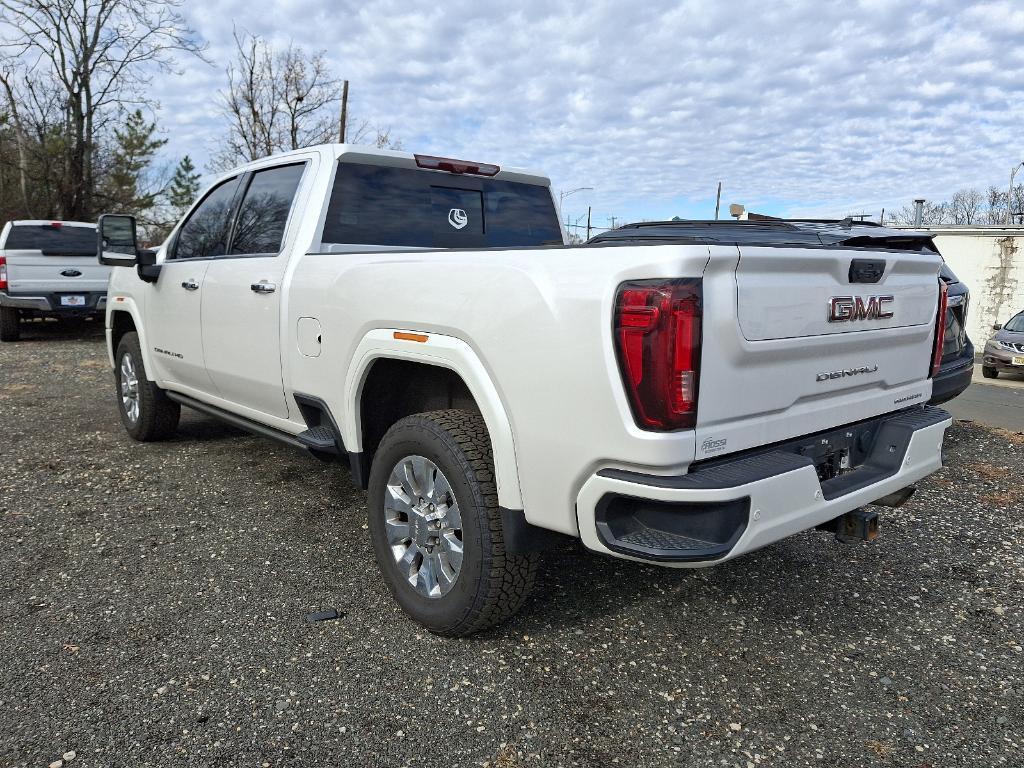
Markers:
<point>800,107</point>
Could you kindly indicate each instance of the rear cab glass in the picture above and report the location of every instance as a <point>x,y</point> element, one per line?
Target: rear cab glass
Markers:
<point>404,207</point>
<point>62,240</point>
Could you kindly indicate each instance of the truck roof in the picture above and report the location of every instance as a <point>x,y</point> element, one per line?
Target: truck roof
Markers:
<point>50,222</point>
<point>372,156</point>
<point>807,232</point>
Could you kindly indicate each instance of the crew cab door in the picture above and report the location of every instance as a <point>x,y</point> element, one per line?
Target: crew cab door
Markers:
<point>173,306</point>
<point>242,294</point>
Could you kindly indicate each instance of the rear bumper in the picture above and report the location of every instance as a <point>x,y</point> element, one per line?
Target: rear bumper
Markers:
<point>954,377</point>
<point>94,302</point>
<point>719,512</point>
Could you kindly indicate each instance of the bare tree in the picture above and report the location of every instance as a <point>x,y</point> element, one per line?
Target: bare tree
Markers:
<point>995,205</point>
<point>933,213</point>
<point>995,202</point>
<point>282,100</point>
<point>966,206</point>
<point>96,58</point>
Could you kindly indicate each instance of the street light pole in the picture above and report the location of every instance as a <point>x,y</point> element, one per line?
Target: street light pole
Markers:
<point>564,194</point>
<point>1009,192</point>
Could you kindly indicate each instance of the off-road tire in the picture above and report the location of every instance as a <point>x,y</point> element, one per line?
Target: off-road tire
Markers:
<point>158,414</point>
<point>989,373</point>
<point>10,324</point>
<point>492,585</point>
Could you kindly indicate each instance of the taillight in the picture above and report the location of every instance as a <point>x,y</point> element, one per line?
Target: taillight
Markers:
<point>940,329</point>
<point>657,338</point>
<point>3,273</point>
<point>456,166</point>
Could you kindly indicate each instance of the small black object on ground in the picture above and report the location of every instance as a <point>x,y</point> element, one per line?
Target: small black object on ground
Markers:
<point>327,615</point>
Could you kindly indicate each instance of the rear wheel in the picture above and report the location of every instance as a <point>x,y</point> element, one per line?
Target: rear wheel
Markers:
<point>10,324</point>
<point>989,373</point>
<point>436,525</point>
<point>146,411</point>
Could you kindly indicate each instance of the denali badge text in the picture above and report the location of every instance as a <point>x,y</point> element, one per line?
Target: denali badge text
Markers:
<point>842,309</point>
<point>825,376</point>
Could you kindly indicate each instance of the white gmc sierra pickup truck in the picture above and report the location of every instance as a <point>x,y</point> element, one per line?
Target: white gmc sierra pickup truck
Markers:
<point>674,393</point>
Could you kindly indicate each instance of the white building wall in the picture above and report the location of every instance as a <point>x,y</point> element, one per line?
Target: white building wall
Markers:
<point>990,260</point>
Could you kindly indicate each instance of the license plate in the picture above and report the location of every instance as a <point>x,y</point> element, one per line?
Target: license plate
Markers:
<point>1018,360</point>
<point>72,301</point>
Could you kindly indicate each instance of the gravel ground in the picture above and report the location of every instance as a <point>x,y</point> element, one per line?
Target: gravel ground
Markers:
<point>154,598</point>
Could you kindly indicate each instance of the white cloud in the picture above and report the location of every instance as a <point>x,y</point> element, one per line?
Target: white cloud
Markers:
<point>800,107</point>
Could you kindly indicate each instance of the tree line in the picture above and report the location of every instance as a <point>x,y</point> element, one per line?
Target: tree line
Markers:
<point>968,206</point>
<point>79,128</point>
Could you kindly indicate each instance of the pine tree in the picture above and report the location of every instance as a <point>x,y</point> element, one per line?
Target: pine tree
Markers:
<point>134,149</point>
<point>183,189</point>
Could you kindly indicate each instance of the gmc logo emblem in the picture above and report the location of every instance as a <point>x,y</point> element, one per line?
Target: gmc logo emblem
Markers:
<point>842,309</point>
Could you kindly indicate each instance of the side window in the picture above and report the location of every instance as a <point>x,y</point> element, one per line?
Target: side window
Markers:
<point>205,232</point>
<point>264,210</point>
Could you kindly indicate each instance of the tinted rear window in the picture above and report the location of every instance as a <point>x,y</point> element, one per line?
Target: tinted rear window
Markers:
<point>52,240</point>
<point>376,205</point>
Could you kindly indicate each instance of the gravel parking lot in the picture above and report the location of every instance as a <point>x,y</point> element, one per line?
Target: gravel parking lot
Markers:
<point>154,602</point>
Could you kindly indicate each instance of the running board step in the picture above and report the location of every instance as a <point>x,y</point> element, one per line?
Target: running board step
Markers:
<point>319,438</point>
<point>235,420</point>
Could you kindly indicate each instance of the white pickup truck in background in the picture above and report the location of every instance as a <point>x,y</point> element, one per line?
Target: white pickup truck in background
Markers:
<point>49,269</point>
<point>677,393</point>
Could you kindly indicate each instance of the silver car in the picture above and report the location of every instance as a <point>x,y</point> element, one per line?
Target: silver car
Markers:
<point>1005,350</point>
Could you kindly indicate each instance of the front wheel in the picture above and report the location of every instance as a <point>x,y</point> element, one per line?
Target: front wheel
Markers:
<point>10,324</point>
<point>436,525</point>
<point>146,411</point>
<point>989,373</point>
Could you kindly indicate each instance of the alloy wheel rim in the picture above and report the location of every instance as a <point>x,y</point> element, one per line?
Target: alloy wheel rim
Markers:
<point>129,388</point>
<point>423,525</point>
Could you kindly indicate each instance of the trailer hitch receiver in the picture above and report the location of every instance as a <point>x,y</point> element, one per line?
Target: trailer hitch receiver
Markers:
<point>860,524</point>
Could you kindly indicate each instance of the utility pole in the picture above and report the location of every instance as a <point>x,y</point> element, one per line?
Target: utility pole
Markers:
<point>718,199</point>
<point>344,112</point>
<point>1009,193</point>
<point>588,222</point>
<point>612,220</point>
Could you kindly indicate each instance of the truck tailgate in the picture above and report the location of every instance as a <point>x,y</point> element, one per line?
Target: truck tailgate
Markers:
<point>786,293</point>
<point>29,272</point>
<point>774,365</point>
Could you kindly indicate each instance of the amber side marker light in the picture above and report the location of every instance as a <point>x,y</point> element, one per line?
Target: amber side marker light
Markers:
<point>403,336</point>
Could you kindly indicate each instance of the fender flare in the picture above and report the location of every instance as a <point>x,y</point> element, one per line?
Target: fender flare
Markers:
<point>446,352</point>
<point>126,304</point>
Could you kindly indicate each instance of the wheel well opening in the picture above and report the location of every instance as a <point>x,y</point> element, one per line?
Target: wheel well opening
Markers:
<point>395,389</point>
<point>121,323</point>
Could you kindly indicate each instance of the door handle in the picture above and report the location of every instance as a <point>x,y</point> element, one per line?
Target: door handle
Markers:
<point>190,285</point>
<point>263,287</point>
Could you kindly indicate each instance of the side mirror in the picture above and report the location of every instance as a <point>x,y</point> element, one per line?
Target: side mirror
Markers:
<point>997,327</point>
<point>117,242</point>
